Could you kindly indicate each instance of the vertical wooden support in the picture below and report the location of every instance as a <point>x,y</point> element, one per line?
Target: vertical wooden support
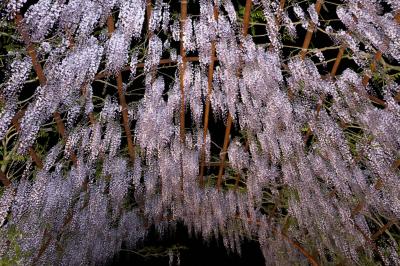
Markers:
<point>322,99</point>
<point>149,10</point>
<point>40,74</point>
<point>246,17</point>
<point>42,80</point>
<point>246,23</point>
<point>306,44</point>
<point>337,61</point>
<point>122,100</point>
<point>310,31</point>
<point>125,117</point>
<point>182,69</point>
<point>208,103</point>
<point>30,49</point>
<point>224,150</point>
<point>279,14</point>
<point>4,180</point>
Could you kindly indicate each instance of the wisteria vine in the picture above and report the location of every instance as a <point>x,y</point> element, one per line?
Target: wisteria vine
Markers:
<point>116,135</point>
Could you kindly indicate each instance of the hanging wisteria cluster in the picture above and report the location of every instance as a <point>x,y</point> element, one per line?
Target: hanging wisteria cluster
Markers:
<point>308,165</point>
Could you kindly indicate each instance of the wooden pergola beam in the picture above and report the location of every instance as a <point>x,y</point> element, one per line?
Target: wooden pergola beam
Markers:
<point>310,31</point>
<point>246,23</point>
<point>4,180</point>
<point>182,69</point>
<point>42,80</point>
<point>122,100</point>
<point>208,103</point>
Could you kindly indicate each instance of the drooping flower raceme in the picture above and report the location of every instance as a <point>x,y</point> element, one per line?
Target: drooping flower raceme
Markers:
<point>309,158</point>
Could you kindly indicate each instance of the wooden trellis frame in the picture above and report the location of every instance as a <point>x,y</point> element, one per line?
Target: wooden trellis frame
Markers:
<point>208,104</point>
<point>40,73</point>
<point>365,81</point>
<point>60,126</point>
<point>122,101</point>
<point>182,67</point>
<point>246,24</point>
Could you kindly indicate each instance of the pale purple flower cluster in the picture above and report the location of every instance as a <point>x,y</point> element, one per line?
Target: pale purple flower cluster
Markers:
<point>314,159</point>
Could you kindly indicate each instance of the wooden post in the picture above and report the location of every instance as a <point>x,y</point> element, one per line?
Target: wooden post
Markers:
<point>122,100</point>
<point>246,23</point>
<point>337,61</point>
<point>42,80</point>
<point>4,180</point>
<point>182,69</point>
<point>310,31</point>
<point>208,104</point>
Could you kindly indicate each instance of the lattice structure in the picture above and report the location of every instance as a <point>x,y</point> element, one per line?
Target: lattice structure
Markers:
<point>308,163</point>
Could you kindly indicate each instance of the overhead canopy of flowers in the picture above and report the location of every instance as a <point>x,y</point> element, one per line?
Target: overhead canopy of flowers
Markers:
<point>228,116</point>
